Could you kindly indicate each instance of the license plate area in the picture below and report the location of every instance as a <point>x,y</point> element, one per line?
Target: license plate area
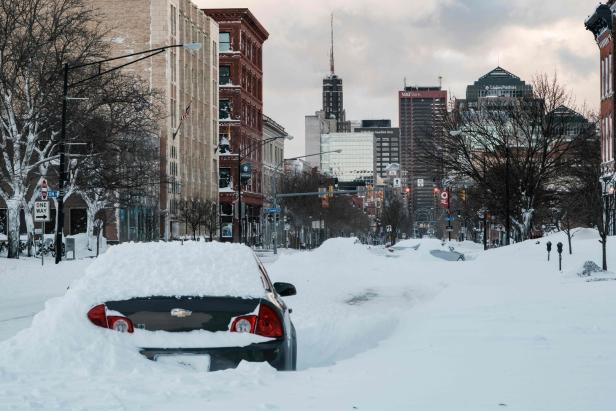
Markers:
<point>197,362</point>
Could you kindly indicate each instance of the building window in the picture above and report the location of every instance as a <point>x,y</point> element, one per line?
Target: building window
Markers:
<point>224,109</point>
<point>224,76</point>
<point>224,179</point>
<point>224,39</point>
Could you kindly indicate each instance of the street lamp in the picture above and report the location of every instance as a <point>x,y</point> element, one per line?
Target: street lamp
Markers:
<point>65,98</point>
<point>239,173</point>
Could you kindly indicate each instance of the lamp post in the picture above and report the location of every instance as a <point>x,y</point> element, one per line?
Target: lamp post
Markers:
<point>61,144</point>
<point>240,158</point>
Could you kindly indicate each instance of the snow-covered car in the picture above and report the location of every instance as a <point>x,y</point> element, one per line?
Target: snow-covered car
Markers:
<point>190,300</point>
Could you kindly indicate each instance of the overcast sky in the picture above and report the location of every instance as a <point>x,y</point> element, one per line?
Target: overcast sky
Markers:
<point>379,42</point>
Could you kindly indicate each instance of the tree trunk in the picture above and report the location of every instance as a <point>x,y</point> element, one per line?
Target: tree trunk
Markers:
<point>90,213</point>
<point>29,229</point>
<point>13,227</point>
<point>603,247</point>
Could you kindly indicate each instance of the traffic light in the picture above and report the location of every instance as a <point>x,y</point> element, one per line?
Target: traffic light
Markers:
<point>330,191</point>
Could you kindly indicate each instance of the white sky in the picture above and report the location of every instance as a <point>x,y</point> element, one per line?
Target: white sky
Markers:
<point>379,42</point>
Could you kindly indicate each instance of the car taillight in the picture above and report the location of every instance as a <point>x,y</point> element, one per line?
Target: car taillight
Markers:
<point>244,324</point>
<point>98,316</point>
<point>268,323</point>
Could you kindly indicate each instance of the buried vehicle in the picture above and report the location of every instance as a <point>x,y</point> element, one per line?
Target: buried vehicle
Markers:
<point>192,312</point>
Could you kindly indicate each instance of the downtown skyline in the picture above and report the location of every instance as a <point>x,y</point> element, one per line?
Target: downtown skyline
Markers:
<point>377,45</point>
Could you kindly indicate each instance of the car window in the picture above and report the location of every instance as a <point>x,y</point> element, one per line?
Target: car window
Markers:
<point>267,284</point>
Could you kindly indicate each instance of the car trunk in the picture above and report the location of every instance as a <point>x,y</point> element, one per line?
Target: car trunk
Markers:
<point>178,314</point>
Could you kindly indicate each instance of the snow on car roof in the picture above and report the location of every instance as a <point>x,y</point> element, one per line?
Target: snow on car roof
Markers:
<point>172,269</point>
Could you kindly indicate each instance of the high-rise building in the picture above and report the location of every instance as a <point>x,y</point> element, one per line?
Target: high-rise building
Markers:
<point>355,161</point>
<point>497,83</point>
<point>386,143</point>
<point>189,165</point>
<point>333,95</point>
<point>332,117</point>
<point>240,44</point>
<point>422,113</point>
<point>602,24</point>
<point>315,126</point>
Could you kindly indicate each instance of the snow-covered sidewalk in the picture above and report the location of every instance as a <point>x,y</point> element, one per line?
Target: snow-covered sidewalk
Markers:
<point>377,330</point>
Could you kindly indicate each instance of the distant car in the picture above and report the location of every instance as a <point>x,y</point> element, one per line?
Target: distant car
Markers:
<point>266,316</point>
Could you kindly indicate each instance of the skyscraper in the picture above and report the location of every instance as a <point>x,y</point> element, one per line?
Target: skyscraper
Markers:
<point>333,95</point>
<point>422,116</point>
<point>332,117</point>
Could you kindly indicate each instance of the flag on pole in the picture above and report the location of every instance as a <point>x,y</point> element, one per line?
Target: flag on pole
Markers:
<point>184,116</point>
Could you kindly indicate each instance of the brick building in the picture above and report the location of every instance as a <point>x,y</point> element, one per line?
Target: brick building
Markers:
<point>241,41</point>
<point>602,24</point>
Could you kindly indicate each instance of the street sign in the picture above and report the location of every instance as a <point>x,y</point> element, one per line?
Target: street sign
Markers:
<point>451,218</point>
<point>53,194</point>
<point>388,229</point>
<point>449,229</point>
<point>420,182</point>
<point>397,182</point>
<point>273,210</point>
<point>445,198</point>
<point>44,189</point>
<point>287,227</point>
<point>41,211</point>
<point>245,171</point>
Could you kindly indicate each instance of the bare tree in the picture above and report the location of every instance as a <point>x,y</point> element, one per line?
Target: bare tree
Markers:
<point>394,215</point>
<point>36,38</point>
<point>211,217</point>
<point>512,149</point>
<point>191,213</point>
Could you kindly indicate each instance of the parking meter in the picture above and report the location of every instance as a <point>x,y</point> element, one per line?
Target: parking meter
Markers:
<point>559,248</point>
<point>548,245</point>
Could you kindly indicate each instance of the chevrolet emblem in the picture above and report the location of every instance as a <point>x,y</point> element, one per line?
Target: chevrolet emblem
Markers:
<point>180,312</point>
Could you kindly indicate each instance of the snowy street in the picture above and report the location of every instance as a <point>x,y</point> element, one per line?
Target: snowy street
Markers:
<point>376,330</point>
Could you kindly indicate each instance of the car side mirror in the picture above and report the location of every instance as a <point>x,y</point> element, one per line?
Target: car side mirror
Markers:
<point>285,289</point>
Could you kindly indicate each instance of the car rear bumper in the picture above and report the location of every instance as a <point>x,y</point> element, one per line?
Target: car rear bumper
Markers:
<point>229,357</point>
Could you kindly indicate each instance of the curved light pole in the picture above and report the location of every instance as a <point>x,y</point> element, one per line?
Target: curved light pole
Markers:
<point>65,98</point>
<point>241,157</point>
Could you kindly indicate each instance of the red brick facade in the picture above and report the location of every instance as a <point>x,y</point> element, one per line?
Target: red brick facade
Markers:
<point>241,56</point>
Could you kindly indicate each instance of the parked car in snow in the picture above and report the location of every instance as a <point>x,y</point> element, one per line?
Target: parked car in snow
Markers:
<point>158,315</point>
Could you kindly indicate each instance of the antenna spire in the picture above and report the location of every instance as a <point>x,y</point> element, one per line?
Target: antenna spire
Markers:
<point>331,51</point>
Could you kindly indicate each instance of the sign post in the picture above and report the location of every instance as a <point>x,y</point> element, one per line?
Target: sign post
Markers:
<point>42,214</point>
